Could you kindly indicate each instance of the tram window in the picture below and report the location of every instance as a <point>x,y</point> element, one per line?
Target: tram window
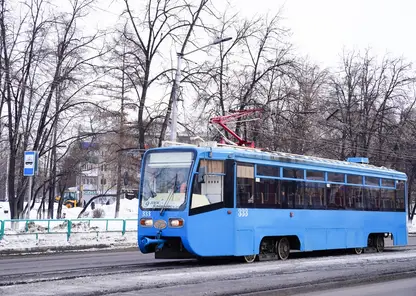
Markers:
<point>266,170</point>
<point>267,194</point>
<point>314,195</point>
<point>245,190</point>
<point>354,198</point>
<point>354,179</point>
<point>372,181</point>
<point>358,197</point>
<point>387,200</point>
<point>291,194</point>
<point>372,199</point>
<point>293,173</point>
<point>211,191</point>
<point>245,185</point>
<point>400,196</point>
<point>336,177</point>
<point>387,183</point>
<point>197,199</point>
<point>349,197</point>
<point>335,195</point>
<point>315,175</point>
<point>300,195</point>
<point>213,166</point>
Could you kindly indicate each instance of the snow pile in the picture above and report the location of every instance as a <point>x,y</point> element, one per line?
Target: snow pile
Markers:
<point>129,209</point>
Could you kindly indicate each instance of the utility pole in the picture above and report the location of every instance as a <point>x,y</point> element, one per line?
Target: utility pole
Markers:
<point>175,89</point>
<point>120,137</point>
<point>54,158</point>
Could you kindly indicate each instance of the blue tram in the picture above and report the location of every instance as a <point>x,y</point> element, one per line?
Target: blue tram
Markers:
<point>232,201</point>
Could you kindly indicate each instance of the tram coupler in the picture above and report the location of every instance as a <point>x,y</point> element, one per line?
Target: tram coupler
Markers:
<point>151,241</point>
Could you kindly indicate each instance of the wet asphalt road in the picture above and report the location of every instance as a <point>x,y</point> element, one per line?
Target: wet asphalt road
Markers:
<point>402,287</point>
<point>128,272</point>
<point>91,260</point>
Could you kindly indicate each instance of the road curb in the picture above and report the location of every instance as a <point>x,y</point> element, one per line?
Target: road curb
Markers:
<point>62,249</point>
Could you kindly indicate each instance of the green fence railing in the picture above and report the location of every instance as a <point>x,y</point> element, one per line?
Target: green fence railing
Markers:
<point>1,229</point>
<point>68,226</point>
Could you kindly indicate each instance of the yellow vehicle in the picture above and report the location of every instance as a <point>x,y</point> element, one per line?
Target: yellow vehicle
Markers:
<point>71,199</point>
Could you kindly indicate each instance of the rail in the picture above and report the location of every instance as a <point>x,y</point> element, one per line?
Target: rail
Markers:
<point>68,226</point>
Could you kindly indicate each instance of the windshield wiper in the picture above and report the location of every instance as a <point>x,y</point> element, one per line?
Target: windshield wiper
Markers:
<point>166,202</point>
<point>169,196</point>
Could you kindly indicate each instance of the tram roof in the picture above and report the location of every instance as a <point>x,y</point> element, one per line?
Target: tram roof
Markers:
<point>289,157</point>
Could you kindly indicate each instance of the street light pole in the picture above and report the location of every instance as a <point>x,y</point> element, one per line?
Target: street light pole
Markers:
<point>175,96</point>
<point>175,89</point>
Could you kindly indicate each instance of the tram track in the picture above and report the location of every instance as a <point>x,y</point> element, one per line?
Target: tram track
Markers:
<point>299,264</point>
<point>62,274</point>
<point>231,279</point>
<point>327,284</point>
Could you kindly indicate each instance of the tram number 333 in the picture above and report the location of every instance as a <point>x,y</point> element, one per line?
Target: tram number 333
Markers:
<point>242,212</point>
<point>146,214</point>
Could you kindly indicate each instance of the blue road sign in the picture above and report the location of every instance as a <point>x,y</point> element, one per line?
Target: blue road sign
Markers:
<point>30,163</point>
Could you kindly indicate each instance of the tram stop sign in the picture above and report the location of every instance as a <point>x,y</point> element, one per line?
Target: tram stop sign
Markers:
<point>30,163</point>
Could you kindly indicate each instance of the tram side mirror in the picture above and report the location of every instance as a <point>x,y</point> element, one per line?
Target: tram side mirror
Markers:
<point>201,174</point>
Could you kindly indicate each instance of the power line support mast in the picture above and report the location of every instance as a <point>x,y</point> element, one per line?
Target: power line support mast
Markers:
<point>223,120</point>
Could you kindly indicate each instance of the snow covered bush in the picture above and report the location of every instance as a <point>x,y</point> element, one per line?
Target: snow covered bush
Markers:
<point>98,213</point>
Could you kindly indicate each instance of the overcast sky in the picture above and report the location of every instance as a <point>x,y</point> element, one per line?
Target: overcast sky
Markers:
<point>321,28</point>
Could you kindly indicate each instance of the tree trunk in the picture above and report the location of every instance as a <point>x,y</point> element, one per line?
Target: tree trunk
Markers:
<point>11,180</point>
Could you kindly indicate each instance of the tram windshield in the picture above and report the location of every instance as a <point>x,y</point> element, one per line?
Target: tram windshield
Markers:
<point>165,180</point>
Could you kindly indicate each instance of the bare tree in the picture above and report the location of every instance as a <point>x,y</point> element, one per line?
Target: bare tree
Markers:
<point>239,78</point>
<point>366,94</point>
<point>37,71</point>
<point>163,23</point>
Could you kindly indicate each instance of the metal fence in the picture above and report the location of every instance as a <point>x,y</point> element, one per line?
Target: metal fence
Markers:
<point>66,226</point>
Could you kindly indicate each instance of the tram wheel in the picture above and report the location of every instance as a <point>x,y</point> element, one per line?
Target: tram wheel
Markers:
<point>250,258</point>
<point>358,251</point>
<point>283,248</point>
<point>380,243</point>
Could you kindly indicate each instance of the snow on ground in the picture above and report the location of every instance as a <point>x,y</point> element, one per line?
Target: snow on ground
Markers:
<point>31,241</point>
<point>84,233</point>
<point>128,209</point>
<point>227,279</point>
<point>412,226</point>
<point>183,276</point>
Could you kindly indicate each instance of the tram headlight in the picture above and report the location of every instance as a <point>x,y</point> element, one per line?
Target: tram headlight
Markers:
<point>176,222</point>
<point>146,222</point>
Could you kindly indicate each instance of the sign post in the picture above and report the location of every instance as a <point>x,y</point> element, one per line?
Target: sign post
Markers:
<point>29,170</point>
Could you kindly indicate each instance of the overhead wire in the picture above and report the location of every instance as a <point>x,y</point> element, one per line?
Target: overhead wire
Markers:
<point>402,155</point>
<point>333,143</point>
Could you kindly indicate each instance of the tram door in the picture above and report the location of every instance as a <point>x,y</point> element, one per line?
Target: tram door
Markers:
<point>211,227</point>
